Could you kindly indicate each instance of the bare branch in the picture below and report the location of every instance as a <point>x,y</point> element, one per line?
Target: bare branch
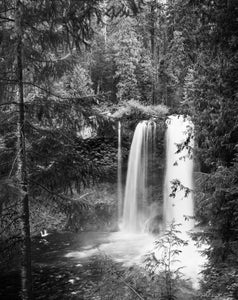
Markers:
<point>7,19</point>
<point>13,164</point>
<point>64,198</point>
<point>131,288</point>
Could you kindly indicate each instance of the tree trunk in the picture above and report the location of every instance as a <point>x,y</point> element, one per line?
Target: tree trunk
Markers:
<point>164,83</point>
<point>153,46</point>
<point>26,279</point>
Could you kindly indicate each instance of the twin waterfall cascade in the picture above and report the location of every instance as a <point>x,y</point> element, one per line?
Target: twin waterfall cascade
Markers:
<point>178,181</point>
<point>136,211</point>
<point>152,203</point>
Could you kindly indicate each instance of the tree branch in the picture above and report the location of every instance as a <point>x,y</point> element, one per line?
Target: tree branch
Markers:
<point>58,96</point>
<point>9,81</point>
<point>13,164</point>
<point>131,288</point>
<point>9,103</point>
<point>64,198</point>
<point>4,11</point>
<point>7,19</point>
<point>47,190</point>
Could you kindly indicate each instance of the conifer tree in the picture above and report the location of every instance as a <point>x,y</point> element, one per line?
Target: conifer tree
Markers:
<point>26,292</point>
<point>38,41</point>
<point>210,96</point>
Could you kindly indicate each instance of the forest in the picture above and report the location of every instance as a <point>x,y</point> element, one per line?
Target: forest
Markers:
<point>77,77</point>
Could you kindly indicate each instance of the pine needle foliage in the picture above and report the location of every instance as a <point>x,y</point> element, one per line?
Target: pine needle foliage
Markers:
<point>210,96</point>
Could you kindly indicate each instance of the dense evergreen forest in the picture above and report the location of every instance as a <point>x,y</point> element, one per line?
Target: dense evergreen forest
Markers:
<point>69,72</point>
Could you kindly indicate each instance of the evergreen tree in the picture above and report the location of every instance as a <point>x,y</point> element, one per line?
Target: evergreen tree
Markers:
<point>127,57</point>
<point>38,40</point>
<point>36,29</point>
<point>210,96</point>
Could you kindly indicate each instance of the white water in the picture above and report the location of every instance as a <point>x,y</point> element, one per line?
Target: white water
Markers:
<point>179,167</point>
<point>136,210</point>
<point>127,248</point>
<point>179,206</point>
<point>129,245</point>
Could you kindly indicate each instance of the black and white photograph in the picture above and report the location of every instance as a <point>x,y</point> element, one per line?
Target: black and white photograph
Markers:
<point>118,149</point>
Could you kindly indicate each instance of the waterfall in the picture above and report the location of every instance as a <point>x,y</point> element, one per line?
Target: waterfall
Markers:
<point>142,210</point>
<point>178,184</point>
<point>136,209</point>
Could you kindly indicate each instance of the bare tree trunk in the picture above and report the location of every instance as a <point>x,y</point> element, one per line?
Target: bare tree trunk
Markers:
<point>26,278</point>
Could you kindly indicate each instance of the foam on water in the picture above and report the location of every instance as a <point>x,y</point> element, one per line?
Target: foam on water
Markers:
<point>129,249</point>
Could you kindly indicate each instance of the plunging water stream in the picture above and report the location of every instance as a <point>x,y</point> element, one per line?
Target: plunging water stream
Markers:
<point>135,210</point>
<point>178,184</point>
<point>178,202</point>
